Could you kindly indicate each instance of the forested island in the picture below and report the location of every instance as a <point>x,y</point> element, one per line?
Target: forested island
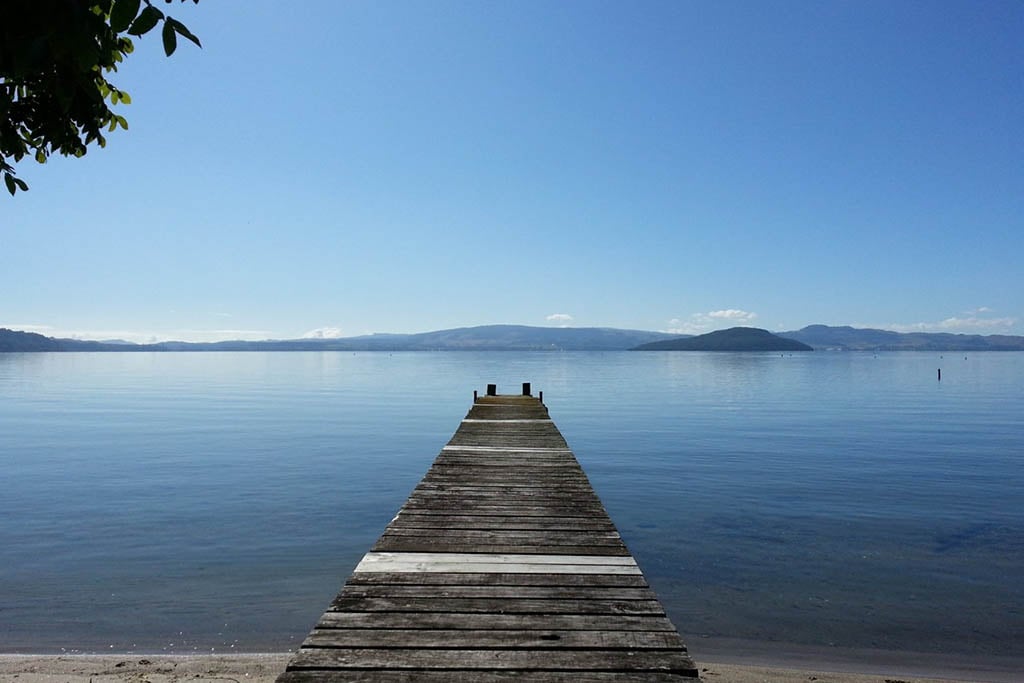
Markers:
<point>732,339</point>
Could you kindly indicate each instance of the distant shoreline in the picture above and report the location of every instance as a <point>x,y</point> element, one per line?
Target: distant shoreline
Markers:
<point>526,338</point>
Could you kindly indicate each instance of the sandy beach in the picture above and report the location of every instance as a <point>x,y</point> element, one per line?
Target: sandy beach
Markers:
<point>264,668</point>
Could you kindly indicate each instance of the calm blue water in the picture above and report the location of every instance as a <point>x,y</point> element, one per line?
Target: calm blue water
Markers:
<point>184,501</point>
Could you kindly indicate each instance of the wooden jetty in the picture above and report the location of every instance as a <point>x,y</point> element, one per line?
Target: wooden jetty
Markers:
<point>501,564</point>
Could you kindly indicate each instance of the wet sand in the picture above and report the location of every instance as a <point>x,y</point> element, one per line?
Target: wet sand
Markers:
<point>264,668</point>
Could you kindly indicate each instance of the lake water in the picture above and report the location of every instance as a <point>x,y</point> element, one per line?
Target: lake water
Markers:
<point>217,501</point>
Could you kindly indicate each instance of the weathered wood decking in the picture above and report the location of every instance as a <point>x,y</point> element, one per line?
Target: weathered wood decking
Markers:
<point>502,564</point>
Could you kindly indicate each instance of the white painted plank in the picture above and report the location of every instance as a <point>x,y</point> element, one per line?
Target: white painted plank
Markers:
<point>459,568</point>
<point>496,563</point>
<point>530,558</point>
<point>505,449</point>
<point>474,420</point>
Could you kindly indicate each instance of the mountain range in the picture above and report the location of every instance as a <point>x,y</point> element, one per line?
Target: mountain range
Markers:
<point>526,338</point>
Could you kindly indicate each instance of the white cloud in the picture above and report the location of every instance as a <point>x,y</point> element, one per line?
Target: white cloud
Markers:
<point>701,323</point>
<point>681,326</point>
<point>733,314</point>
<point>972,324</point>
<point>562,318</point>
<point>227,335</point>
<point>975,322</point>
<point>324,333</point>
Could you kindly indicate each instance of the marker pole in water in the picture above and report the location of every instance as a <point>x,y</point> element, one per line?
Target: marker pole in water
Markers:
<point>940,374</point>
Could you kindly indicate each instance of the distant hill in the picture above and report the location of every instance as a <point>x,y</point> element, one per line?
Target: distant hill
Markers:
<point>520,337</point>
<point>483,338</point>
<point>527,338</point>
<point>13,340</point>
<point>847,338</point>
<point>733,339</point>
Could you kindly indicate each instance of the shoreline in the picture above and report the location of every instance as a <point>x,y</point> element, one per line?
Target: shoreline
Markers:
<point>140,667</point>
<point>898,664</point>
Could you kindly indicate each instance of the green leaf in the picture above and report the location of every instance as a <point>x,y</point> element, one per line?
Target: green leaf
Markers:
<point>9,181</point>
<point>22,184</point>
<point>183,31</point>
<point>40,156</point>
<point>170,39</point>
<point>123,14</point>
<point>125,97</point>
<point>146,21</point>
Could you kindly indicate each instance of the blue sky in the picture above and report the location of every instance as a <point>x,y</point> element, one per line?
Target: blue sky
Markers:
<point>326,167</point>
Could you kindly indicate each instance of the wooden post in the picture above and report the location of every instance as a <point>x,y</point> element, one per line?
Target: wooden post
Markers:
<point>474,396</point>
<point>492,389</point>
<point>541,398</point>
<point>940,374</point>
<point>526,389</point>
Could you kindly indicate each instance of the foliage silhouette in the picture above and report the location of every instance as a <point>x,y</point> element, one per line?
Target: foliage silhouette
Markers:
<point>54,59</point>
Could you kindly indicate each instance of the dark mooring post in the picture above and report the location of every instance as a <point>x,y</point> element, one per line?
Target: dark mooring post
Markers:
<point>492,389</point>
<point>526,389</point>
<point>474,396</point>
<point>940,374</point>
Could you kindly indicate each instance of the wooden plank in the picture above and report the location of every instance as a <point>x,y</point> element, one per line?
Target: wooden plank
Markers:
<point>485,622</point>
<point>506,449</point>
<point>445,499</point>
<point>511,509</point>
<point>536,506</point>
<point>551,509</point>
<point>412,520</point>
<point>456,568</point>
<point>504,421</point>
<point>496,579</point>
<point>503,639</point>
<point>494,494</point>
<point>475,676</point>
<point>392,545</point>
<point>491,536</point>
<point>440,526</point>
<point>487,477</point>
<point>550,486</point>
<point>382,561</point>
<point>497,592</point>
<point>497,606</point>
<point>521,475</point>
<point>523,660</point>
<point>487,484</point>
<point>516,456</point>
<point>536,464</point>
